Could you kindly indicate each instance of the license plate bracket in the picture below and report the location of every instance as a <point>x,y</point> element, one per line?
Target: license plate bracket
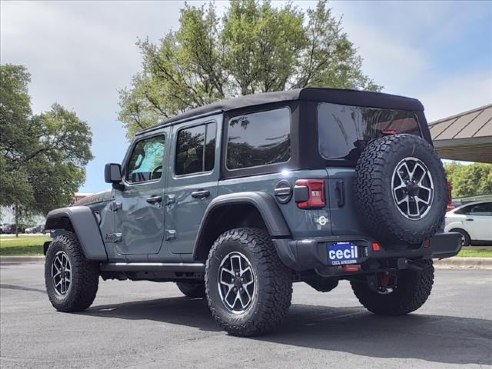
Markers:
<point>342,253</point>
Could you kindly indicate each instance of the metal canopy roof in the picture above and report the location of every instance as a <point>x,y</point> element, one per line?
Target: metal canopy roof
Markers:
<point>466,136</point>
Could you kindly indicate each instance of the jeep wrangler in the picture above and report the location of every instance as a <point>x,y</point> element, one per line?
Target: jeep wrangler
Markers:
<point>236,200</point>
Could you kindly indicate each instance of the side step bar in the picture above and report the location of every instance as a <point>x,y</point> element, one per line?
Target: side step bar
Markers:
<point>154,267</point>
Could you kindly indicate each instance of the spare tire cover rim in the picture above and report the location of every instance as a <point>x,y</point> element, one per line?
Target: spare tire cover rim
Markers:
<point>412,187</point>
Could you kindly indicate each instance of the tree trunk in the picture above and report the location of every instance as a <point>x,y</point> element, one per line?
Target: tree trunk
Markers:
<point>16,220</point>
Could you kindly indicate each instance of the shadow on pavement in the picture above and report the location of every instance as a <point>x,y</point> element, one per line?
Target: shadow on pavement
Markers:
<point>444,339</point>
<point>174,310</point>
<point>21,288</point>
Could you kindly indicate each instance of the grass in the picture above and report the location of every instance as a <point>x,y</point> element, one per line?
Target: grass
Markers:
<point>478,253</point>
<point>33,245</point>
<point>22,245</point>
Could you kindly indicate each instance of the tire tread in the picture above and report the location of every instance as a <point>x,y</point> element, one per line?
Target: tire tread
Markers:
<point>85,276</point>
<point>410,294</point>
<point>277,288</point>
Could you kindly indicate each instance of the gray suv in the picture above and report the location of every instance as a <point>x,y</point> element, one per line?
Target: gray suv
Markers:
<point>236,200</point>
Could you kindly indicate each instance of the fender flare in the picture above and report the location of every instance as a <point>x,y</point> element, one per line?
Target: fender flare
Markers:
<point>83,223</point>
<point>263,202</point>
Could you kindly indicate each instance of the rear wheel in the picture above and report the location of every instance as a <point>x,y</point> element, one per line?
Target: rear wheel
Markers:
<point>398,294</point>
<point>465,237</point>
<point>71,280</point>
<point>192,289</point>
<point>248,288</point>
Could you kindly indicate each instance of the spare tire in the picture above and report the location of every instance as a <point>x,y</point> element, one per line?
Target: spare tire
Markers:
<point>400,189</point>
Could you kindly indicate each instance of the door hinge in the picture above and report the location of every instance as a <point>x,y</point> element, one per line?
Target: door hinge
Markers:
<point>113,237</point>
<point>170,199</point>
<point>170,234</point>
<point>115,206</point>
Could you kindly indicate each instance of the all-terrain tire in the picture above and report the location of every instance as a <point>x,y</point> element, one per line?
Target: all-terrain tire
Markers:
<point>272,283</point>
<point>411,292</point>
<point>192,289</point>
<point>374,195</point>
<point>84,275</point>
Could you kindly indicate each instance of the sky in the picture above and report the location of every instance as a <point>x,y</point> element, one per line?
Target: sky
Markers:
<point>80,53</point>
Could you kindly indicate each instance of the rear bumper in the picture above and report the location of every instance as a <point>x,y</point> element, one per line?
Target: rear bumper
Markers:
<point>309,254</point>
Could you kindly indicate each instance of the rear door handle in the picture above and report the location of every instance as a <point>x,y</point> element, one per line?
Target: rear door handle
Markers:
<point>200,194</point>
<point>469,220</point>
<point>154,199</point>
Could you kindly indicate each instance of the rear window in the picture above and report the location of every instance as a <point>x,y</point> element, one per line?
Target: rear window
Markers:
<point>256,139</point>
<point>344,131</point>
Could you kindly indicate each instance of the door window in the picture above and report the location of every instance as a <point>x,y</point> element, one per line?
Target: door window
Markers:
<point>145,163</point>
<point>195,149</point>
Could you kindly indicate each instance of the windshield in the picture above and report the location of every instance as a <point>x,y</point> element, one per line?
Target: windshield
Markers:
<point>344,131</point>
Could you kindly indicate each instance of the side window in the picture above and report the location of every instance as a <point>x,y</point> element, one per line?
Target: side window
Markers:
<point>481,209</point>
<point>195,149</point>
<point>464,210</point>
<point>261,138</point>
<point>145,163</point>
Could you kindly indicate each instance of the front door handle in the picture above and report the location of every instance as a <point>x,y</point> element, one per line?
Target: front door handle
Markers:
<point>154,199</point>
<point>200,194</point>
<point>469,220</point>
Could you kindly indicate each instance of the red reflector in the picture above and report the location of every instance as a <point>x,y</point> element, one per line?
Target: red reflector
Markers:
<point>427,243</point>
<point>316,193</point>
<point>376,246</point>
<point>351,268</point>
<point>390,132</point>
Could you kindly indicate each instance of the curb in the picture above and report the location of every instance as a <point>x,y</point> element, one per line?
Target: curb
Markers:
<point>450,263</point>
<point>464,263</point>
<point>21,259</point>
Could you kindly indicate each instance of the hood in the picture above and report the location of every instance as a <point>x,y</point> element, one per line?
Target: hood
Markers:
<point>103,196</point>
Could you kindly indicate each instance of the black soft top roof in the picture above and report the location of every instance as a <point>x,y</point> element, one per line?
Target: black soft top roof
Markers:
<point>336,96</point>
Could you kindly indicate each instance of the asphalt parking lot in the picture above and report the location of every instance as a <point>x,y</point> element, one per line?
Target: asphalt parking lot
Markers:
<point>150,325</point>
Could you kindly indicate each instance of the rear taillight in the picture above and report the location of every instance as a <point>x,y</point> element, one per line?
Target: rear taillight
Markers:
<point>310,193</point>
<point>450,205</point>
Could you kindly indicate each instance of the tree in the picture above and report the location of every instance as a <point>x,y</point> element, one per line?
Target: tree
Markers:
<point>15,113</point>
<point>43,156</point>
<point>255,47</point>
<point>469,180</point>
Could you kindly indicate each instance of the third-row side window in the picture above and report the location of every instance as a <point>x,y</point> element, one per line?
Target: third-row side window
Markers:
<point>257,139</point>
<point>195,149</point>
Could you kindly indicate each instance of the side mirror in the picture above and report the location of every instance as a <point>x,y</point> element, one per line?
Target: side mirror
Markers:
<point>112,173</point>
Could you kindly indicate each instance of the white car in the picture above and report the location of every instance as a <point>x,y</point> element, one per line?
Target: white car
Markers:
<point>473,221</point>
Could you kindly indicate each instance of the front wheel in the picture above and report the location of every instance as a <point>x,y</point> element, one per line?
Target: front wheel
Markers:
<point>71,280</point>
<point>408,290</point>
<point>248,288</point>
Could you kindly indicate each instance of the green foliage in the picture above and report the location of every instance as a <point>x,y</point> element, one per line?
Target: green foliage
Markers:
<point>469,180</point>
<point>22,245</point>
<point>42,156</point>
<point>255,47</point>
